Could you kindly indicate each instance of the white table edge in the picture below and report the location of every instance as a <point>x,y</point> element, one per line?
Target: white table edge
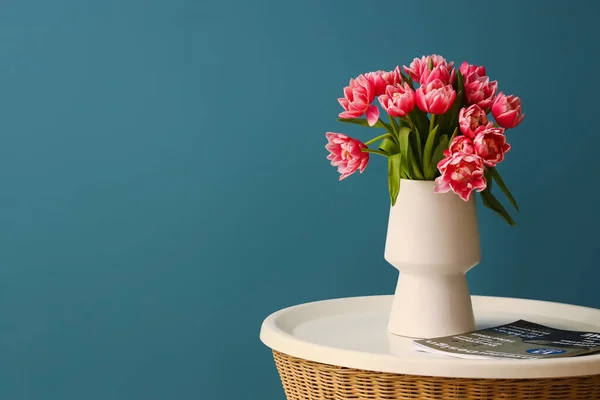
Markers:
<point>282,342</point>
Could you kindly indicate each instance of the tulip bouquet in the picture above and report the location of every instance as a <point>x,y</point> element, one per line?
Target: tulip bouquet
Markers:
<point>440,130</point>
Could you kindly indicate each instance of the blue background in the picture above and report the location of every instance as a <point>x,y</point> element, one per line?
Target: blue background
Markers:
<point>164,187</point>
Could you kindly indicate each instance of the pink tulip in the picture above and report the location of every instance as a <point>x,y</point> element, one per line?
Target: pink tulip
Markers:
<point>346,154</point>
<point>440,72</point>
<point>467,70</point>
<point>357,100</point>
<point>398,100</point>
<point>481,91</point>
<point>419,66</point>
<point>377,82</point>
<point>393,77</point>
<point>472,120</point>
<point>382,79</point>
<point>460,144</point>
<point>435,97</point>
<point>490,144</point>
<point>462,173</point>
<point>507,110</point>
<point>439,60</point>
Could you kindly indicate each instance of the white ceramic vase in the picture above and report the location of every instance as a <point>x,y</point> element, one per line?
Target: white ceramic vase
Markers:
<point>433,240</point>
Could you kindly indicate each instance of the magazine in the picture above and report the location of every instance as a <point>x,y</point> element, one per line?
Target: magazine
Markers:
<point>518,340</point>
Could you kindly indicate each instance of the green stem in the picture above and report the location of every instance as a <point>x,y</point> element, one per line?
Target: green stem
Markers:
<point>378,138</point>
<point>373,151</point>
<point>411,123</point>
<point>393,124</point>
<point>387,126</point>
<point>432,122</point>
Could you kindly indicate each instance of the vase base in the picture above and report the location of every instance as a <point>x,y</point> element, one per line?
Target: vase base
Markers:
<point>427,306</point>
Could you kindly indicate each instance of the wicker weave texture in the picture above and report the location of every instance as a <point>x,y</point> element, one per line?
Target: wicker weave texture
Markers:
<point>308,380</point>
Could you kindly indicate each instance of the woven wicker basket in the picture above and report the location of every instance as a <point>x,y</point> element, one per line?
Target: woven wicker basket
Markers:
<point>308,380</point>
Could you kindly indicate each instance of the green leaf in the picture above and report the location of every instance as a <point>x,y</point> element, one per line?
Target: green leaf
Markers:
<point>438,154</point>
<point>421,122</point>
<point>389,147</point>
<point>412,160</point>
<point>363,122</point>
<point>405,172</point>
<point>496,175</point>
<point>403,137</point>
<point>488,178</point>
<point>491,202</point>
<point>403,141</point>
<point>405,169</point>
<point>394,165</point>
<point>415,140</point>
<point>408,155</point>
<point>430,64</point>
<point>428,154</point>
<point>454,134</point>
<point>416,144</point>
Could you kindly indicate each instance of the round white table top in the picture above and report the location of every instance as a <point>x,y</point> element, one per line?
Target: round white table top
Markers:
<point>352,332</point>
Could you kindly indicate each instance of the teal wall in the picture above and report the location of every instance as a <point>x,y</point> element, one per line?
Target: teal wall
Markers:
<point>163,182</point>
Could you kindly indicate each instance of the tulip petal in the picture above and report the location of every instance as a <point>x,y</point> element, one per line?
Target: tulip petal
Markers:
<point>350,114</point>
<point>441,186</point>
<point>420,97</point>
<point>372,114</point>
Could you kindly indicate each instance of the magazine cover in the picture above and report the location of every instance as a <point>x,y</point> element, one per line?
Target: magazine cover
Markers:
<point>518,340</point>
